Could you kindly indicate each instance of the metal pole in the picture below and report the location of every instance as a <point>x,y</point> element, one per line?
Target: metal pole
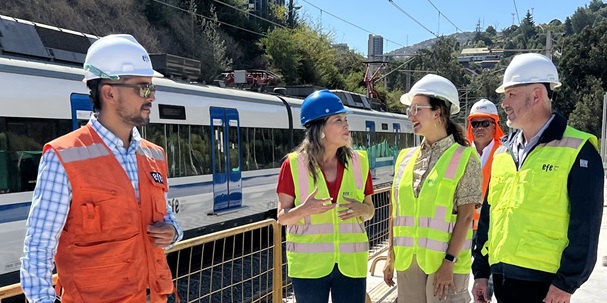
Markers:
<point>604,129</point>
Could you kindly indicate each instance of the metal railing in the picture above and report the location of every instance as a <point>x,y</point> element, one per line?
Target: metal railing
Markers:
<point>243,264</point>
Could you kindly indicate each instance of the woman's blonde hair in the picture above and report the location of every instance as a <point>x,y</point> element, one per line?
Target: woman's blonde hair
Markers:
<point>312,147</point>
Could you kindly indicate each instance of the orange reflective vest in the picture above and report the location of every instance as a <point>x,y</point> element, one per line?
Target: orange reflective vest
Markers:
<point>104,252</point>
<point>486,177</point>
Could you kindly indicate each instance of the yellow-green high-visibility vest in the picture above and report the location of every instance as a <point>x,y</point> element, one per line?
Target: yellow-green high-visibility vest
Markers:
<point>317,242</point>
<point>423,226</point>
<point>530,206</point>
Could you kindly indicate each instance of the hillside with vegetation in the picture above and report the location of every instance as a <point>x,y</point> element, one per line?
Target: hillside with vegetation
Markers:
<point>223,36</point>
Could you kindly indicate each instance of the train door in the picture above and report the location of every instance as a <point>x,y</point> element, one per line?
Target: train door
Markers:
<point>82,108</point>
<point>371,147</point>
<point>396,149</point>
<point>225,153</point>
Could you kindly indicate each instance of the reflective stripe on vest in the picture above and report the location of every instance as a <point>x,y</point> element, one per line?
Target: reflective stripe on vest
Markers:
<point>151,153</point>
<point>319,241</point>
<point>519,234</point>
<point>425,225</point>
<point>82,153</point>
<point>327,247</point>
<point>309,229</point>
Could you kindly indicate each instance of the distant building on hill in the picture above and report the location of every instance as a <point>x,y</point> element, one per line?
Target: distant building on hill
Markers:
<point>485,57</point>
<point>262,7</point>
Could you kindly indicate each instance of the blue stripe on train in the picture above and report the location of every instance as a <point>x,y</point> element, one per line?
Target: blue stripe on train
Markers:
<point>20,211</point>
<point>14,212</point>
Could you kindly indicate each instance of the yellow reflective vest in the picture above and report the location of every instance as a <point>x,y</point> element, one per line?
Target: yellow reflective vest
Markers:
<point>530,206</point>
<point>423,226</point>
<point>317,242</point>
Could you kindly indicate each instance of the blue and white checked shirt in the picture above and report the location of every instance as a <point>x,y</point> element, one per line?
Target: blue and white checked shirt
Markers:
<point>50,207</point>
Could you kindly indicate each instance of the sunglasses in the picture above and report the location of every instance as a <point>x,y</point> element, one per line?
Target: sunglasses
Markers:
<point>145,89</point>
<point>484,124</point>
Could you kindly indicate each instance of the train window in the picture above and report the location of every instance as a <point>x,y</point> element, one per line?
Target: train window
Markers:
<point>233,146</point>
<point>282,139</point>
<point>359,140</point>
<point>21,142</point>
<point>201,148</point>
<point>258,150</point>
<point>187,147</point>
<point>174,112</point>
<point>384,126</point>
<point>298,137</point>
<point>218,147</point>
<point>264,149</point>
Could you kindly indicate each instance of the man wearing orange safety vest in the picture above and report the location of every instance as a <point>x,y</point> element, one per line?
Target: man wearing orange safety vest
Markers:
<point>484,132</point>
<point>99,209</point>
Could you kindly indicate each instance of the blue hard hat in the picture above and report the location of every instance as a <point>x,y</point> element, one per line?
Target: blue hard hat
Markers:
<point>320,104</point>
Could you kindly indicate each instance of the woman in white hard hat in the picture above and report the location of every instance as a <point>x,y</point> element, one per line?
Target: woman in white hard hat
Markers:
<point>324,196</point>
<point>436,188</point>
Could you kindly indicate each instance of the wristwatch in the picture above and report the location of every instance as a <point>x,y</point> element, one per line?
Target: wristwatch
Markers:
<point>450,258</point>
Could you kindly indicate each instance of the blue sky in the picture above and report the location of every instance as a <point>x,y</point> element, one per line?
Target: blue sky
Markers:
<point>383,18</point>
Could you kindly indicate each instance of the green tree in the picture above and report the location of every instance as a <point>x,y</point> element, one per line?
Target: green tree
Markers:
<point>584,55</point>
<point>491,31</point>
<point>590,105</point>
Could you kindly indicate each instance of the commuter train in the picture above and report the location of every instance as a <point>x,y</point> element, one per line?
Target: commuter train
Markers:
<point>224,146</point>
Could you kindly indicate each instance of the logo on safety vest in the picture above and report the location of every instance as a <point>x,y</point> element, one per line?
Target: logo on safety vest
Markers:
<point>549,167</point>
<point>157,177</point>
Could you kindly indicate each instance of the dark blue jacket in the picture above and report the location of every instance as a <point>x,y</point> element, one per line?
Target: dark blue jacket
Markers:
<point>585,188</point>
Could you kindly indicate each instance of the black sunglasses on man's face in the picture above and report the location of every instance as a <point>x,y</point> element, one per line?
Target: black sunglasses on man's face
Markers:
<point>484,124</point>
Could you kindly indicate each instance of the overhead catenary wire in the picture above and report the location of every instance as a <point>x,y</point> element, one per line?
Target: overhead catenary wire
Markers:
<point>211,19</point>
<point>411,17</point>
<point>249,13</point>
<point>348,22</point>
<point>516,10</point>
<point>443,14</point>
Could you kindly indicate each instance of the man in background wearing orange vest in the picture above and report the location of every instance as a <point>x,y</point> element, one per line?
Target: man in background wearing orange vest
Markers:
<point>484,132</point>
<point>99,207</point>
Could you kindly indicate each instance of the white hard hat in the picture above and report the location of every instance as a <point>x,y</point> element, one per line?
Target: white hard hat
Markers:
<point>117,55</point>
<point>434,86</point>
<point>483,107</point>
<point>530,68</point>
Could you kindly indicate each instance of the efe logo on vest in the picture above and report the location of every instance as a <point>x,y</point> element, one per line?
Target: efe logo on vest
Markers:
<point>550,167</point>
<point>157,177</point>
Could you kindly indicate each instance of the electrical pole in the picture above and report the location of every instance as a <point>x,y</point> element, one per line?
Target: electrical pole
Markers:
<point>291,19</point>
<point>549,44</point>
<point>604,130</point>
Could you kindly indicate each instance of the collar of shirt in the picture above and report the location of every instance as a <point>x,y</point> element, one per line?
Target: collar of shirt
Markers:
<point>112,141</point>
<point>439,146</point>
<point>486,152</point>
<point>520,140</point>
<point>522,148</point>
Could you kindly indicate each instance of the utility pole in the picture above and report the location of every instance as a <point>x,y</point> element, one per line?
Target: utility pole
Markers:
<point>549,44</point>
<point>291,18</point>
<point>604,131</point>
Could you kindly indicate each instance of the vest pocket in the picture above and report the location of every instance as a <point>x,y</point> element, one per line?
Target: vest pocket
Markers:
<point>104,287</point>
<point>91,221</point>
<point>164,282</point>
<point>541,248</point>
<point>108,270</point>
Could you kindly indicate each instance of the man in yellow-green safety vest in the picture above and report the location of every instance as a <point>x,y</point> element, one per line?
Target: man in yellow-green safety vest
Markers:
<point>545,196</point>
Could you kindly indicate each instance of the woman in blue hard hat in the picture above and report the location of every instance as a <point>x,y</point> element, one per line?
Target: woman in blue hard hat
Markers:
<point>324,196</point>
<point>436,188</point>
